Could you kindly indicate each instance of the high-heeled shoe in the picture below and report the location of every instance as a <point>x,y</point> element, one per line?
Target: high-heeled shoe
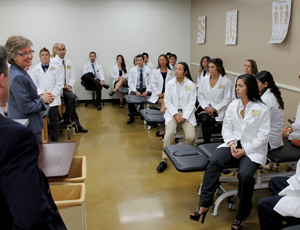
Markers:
<point>112,93</point>
<point>196,215</point>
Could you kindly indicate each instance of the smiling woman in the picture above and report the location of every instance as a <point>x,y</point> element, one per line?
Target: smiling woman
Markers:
<point>24,102</point>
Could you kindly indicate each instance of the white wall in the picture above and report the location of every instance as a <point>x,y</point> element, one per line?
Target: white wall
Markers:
<point>107,27</point>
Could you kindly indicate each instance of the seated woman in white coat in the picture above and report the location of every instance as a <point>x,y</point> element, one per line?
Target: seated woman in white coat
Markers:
<point>203,70</point>
<point>214,95</point>
<point>245,131</point>
<point>120,78</point>
<point>180,99</point>
<point>159,79</point>
<point>271,96</point>
<point>284,205</point>
<point>250,67</point>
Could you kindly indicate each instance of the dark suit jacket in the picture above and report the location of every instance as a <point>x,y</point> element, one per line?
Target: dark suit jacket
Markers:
<point>25,202</point>
<point>24,102</point>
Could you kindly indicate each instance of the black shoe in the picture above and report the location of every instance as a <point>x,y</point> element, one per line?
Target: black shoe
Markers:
<point>158,134</point>
<point>106,86</point>
<point>82,130</point>
<point>131,120</point>
<point>122,103</point>
<point>161,167</point>
<point>99,107</point>
<point>196,216</point>
<point>112,93</point>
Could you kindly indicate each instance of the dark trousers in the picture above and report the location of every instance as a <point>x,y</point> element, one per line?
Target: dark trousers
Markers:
<point>53,114</point>
<point>220,160</point>
<point>131,107</point>
<point>268,218</point>
<point>38,137</point>
<point>207,122</point>
<point>70,98</point>
<point>96,84</point>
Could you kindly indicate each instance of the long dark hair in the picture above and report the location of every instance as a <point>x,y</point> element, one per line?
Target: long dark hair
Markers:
<point>186,68</point>
<point>219,64</point>
<point>201,66</point>
<point>167,64</point>
<point>123,65</point>
<point>252,87</point>
<point>266,76</point>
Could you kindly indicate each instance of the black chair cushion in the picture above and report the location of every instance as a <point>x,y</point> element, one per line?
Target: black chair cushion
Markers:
<point>287,153</point>
<point>153,116</point>
<point>209,149</point>
<point>123,90</point>
<point>133,99</point>
<point>186,158</point>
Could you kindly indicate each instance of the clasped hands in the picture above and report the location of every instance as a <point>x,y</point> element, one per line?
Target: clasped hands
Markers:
<point>137,93</point>
<point>47,97</point>
<point>179,119</point>
<point>210,111</point>
<point>236,153</point>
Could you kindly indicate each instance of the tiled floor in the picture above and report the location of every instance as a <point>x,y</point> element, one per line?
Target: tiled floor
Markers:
<point>123,189</point>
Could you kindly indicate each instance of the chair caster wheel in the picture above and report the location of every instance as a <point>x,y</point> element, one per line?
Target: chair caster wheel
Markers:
<point>231,206</point>
<point>219,191</point>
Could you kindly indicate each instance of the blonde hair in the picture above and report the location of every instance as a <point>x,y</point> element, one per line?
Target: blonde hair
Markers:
<point>53,50</point>
<point>14,44</point>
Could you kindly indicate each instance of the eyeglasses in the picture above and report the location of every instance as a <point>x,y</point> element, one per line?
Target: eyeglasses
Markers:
<point>25,55</point>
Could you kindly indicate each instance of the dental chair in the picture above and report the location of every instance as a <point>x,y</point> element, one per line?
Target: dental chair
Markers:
<point>188,158</point>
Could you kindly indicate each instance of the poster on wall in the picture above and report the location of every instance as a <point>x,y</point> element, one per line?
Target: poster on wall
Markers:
<point>281,12</point>
<point>231,27</point>
<point>201,30</point>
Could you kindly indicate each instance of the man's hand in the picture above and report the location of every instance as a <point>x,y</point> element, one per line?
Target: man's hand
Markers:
<point>69,88</point>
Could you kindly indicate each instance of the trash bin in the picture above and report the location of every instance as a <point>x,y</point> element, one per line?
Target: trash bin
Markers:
<point>77,172</point>
<point>70,201</point>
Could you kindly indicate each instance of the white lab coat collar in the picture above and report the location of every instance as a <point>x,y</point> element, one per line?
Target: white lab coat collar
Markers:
<point>1,111</point>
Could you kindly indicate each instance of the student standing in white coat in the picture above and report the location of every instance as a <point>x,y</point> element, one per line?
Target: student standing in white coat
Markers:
<point>139,83</point>
<point>250,67</point>
<point>245,131</point>
<point>214,95</point>
<point>159,79</point>
<point>180,99</point>
<point>203,70</point>
<point>48,77</point>
<point>119,75</point>
<point>147,62</point>
<point>172,60</point>
<point>284,205</point>
<point>271,96</point>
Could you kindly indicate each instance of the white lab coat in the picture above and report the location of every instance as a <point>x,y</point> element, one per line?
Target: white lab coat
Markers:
<point>87,68</point>
<point>200,77</point>
<point>276,119</point>
<point>134,76</point>
<point>150,65</point>
<point>114,73</point>
<point>289,205</point>
<point>253,131</point>
<point>218,97</point>
<point>188,101</point>
<point>70,73</point>
<point>52,81</point>
<point>296,126</point>
<point>157,83</point>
